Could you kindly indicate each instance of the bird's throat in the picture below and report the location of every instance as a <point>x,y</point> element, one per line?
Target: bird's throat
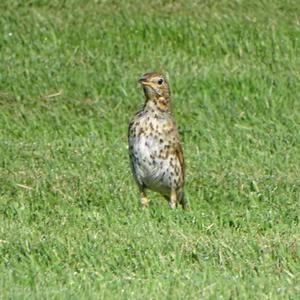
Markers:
<point>160,103</point>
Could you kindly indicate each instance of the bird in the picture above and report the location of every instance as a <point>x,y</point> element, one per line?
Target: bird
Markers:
<point>155,150</point>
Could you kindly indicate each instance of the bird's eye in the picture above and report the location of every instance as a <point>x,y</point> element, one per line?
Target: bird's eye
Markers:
<point>160,81</point>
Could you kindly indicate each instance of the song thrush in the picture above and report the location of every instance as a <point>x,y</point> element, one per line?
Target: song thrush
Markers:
<point>155,151</point>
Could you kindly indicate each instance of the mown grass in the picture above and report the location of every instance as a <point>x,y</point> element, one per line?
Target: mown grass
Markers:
<point>70,224</point>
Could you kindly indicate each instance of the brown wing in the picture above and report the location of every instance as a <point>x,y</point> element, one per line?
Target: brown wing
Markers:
<point>179,154</point>
<point>178,149</point>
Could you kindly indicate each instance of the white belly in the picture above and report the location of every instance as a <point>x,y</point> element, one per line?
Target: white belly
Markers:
<point>150,169</point>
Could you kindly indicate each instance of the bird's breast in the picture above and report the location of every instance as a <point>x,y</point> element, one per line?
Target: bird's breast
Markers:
<point>151,157</point>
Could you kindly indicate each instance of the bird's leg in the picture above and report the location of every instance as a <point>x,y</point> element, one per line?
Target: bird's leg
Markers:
<point>173,199</point>
<point>182,200</point>
<point>144,199</point>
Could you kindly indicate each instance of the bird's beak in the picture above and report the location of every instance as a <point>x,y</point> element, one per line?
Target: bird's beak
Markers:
<point>144,81</point>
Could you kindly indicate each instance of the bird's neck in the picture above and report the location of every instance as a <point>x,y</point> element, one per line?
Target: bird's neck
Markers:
<point>158,103</point>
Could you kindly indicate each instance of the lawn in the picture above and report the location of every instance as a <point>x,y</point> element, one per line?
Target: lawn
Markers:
<point>70,222</point>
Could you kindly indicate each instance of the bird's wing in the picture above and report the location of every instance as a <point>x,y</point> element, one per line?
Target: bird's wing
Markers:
<point>178,149</point>
<point>179,154</point>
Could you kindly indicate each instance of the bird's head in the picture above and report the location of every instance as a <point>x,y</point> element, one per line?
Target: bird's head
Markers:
<point>156,89</point>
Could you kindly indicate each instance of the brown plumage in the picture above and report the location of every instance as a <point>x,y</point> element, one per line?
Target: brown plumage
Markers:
<point>155,151</point>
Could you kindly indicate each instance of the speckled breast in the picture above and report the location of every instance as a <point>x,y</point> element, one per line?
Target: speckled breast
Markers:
<point>153,164</point>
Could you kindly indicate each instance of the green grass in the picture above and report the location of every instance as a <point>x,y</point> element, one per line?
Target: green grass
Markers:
<point>70,223</point>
